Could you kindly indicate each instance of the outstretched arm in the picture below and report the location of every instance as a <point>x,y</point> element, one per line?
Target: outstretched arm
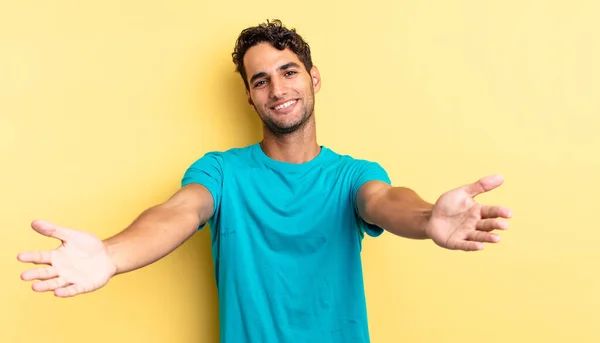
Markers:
<point>84,263</point>
<point>160,229</point>
<point>455,221</point>
<point>398,210</point>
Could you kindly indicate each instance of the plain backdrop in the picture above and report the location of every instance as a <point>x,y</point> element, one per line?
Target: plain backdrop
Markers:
<point>103,105</point>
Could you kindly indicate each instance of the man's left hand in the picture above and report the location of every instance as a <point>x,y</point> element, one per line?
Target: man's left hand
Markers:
<point>459,223</point>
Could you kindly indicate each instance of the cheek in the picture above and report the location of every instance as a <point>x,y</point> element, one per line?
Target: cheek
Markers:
<point>308,86</point>
<point>255,98</point>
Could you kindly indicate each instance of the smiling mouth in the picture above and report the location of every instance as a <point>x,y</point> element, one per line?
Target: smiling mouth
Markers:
<point>284,105</point>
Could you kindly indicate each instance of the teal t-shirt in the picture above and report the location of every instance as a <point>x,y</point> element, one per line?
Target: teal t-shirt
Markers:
<point>286,243</point>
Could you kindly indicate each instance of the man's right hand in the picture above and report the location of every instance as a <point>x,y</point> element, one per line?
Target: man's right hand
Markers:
<point>79,265</point>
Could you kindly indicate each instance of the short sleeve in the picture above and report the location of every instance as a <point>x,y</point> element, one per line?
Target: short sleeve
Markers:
<point>367,171</point>
<point>207,171</point>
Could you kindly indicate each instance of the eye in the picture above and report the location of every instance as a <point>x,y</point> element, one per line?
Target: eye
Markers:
<point>290,73</point>
<point>259,83</point>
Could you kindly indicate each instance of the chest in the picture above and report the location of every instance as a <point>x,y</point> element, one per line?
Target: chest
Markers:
<point>294,213</point>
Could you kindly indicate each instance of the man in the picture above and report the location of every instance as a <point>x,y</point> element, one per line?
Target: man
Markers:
<point>287,216</point>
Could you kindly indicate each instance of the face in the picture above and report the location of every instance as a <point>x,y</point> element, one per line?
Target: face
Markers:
<point>281,90</point>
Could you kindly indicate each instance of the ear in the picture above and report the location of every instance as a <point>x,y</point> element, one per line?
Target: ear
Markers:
<point>315,78</point>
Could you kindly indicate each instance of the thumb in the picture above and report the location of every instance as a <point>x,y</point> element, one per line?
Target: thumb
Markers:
<point>51,230</point>
<point>484,184</point>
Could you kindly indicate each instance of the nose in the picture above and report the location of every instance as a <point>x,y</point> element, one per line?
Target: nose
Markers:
<point>277,88</point>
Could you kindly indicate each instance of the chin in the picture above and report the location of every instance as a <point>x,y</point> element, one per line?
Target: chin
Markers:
<point>281,128</point>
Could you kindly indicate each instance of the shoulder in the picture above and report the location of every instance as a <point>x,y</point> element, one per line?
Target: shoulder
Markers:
<point>360,170</point>
<point>350,161</point>
<point>233,155</point>
<point>211,167</point>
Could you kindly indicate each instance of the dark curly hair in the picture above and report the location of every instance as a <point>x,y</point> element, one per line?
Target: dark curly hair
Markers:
<point>274,33</point>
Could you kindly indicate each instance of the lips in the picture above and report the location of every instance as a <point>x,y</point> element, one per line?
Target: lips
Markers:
<point>282,106</point>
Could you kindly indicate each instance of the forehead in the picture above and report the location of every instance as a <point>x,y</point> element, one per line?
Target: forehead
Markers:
<point>264,58</point>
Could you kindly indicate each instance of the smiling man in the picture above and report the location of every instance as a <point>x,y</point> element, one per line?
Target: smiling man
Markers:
<point>276,99</point>
<point>287,216</point>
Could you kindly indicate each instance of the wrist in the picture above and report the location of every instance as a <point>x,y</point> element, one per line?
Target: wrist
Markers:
<point>427,219</point>
<point>112,256</point>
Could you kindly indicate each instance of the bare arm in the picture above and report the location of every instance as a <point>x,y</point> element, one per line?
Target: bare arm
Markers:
<point>456,221</point>
<point>398,210</point>
<point>84,263</point>
<point>160,229</point>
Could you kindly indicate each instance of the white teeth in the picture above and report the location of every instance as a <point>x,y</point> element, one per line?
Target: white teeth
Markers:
<point>285,105</point>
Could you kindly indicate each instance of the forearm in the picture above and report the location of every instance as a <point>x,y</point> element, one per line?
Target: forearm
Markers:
<point>400,211</point>
<point>153,235</point>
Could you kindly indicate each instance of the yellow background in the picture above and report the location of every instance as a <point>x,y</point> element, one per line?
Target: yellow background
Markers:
<point>103,105</point>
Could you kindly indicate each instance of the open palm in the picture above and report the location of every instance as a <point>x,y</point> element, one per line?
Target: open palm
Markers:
<point>79,265</point>
<point>459,223</point>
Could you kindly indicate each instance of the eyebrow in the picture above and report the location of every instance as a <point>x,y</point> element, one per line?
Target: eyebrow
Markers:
<point>282,67</point>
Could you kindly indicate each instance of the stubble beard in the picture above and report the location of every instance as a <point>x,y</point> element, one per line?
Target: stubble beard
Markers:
<point>281,130</point>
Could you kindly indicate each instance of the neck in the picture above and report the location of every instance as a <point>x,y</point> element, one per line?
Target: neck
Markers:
<point>297,147</point>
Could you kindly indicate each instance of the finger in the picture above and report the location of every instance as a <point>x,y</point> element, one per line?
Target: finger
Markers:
<point>51,230</point>
<point>466,246</point>
<point>39,274</point>
<point>69,291</point>
<point>38,257</point>
<point>491,224</point>
<point>484,184</point>
<point>495,212</point>
<point>49,285</point>
<point>483,237</point>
